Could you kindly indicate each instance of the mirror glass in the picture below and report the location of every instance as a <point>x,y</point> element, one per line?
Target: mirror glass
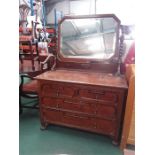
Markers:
<point>91,38</point>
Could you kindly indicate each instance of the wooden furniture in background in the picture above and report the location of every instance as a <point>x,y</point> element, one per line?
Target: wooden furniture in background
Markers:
<point>28,46</point>
<point>129,152</point>
<point>30,88</point>
<point>128,135</point>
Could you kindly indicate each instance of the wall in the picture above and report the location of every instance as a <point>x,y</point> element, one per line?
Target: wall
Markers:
<point>123,9</point>
<point>61,6</point>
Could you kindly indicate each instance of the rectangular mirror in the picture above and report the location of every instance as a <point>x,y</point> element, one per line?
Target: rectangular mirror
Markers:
<point>89,38</point>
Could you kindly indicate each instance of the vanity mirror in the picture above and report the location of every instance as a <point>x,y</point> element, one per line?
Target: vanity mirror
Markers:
<point>89,39</point>
<point>83,90</point>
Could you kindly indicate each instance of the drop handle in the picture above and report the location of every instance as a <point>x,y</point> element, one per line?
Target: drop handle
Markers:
<point>57,94</point>
<point>65,101</point>
<point>85,65</point>
<point>95,125</point>
<point>72,115</point>
<point>95,112</point>
<point>70,102</point>
<point>96,92</point>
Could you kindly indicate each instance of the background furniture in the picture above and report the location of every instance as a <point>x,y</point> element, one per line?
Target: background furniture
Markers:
<point>85,90</point>
<point>28,46</point>
<point>129,152</point>
<point>29,89</point>
<point>128,134</point>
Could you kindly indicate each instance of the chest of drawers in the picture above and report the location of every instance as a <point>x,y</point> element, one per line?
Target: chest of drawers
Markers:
<point>89,101</point>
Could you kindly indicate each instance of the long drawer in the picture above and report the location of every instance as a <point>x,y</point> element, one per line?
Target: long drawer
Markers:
<point>79,121</point>
<point>92,108</point>
<point>78,91</point>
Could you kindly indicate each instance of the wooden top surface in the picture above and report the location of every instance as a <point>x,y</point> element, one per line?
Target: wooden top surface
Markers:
<point>81,77</point>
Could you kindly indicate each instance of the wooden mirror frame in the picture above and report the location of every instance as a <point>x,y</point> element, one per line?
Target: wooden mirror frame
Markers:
<point>109,65</point>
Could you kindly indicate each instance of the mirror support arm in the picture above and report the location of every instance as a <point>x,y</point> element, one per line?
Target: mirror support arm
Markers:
<point>121,52</point>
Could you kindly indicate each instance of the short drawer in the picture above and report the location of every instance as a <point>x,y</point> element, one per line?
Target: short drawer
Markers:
<point>51,90</point>
<point>99,95</point>
<point>79,106</point>
<point>57,90</point>
<point>67,91</point>
<point>76,120</point>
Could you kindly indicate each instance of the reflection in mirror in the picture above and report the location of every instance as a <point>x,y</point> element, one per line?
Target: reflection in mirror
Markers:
<point>93,38</point>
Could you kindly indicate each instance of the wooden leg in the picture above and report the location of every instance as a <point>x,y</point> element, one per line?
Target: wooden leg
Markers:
<point>43,126</point>
<point>115,143</point>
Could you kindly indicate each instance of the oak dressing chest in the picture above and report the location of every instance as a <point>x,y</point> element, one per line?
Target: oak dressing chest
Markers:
<point>85,90</point>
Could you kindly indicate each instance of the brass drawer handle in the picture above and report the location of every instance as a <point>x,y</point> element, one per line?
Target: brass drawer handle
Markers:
<point>57,94</point>
<point>95,125</point>
<point>65,101</point>
<point>79,103</point>
<point>95,112</point>
<point>96,92</point>
<point>85,65</point>
<point>72,115</point>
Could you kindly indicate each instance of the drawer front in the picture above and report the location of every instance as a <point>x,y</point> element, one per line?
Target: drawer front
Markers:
<point>58,90</point>
<point>79,106</point>
<point>103,95</point>
<point>92,108</point>
<point>67,91</point>
<point>105,126</point>
<point>50,102</point>
<point>68,104</point>
<point>77,120</point>
<point>51,115</point>
<point>106,111</point>
<point>51,90</point>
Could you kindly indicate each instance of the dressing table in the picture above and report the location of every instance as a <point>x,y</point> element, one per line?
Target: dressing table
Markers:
<point>85,89</point>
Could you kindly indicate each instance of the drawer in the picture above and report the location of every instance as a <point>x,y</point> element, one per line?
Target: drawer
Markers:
<point>51,90</point>
<point>105,126</point>
<point>77,120</point>
<point>51,115</point>
<point>79,106</point>
<point>58,90</point>
<point>67,91</point>
<point>50,102</point>
<point>105,111</point>
<point>99,95</point>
